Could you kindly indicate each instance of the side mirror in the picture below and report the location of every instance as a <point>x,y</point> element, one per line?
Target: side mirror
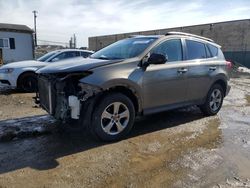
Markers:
<point>157,59</point>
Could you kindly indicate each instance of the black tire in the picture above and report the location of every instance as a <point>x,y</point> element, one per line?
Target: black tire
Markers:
<point>108,103</point>
<point>206,108</point>
<point>27,82</point>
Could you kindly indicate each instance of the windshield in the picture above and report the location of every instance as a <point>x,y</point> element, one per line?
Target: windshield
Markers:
<point>46,56</point>
<point>124,49</point>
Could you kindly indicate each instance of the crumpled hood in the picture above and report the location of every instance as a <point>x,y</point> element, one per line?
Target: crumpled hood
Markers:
<point>75,65</point>
<point>23,64</point>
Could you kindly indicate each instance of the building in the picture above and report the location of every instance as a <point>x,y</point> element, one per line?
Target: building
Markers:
<point>16,43</point>
<point>233,36</point>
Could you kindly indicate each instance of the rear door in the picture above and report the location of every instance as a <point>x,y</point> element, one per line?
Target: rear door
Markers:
<point>165,84</point>
<point>201,66</point>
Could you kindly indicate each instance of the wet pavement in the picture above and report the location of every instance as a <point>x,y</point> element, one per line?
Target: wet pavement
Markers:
<point>179,148</point>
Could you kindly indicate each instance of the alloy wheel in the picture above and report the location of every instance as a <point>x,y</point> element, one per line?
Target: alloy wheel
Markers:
<point>215,100</point>
<point>115,118</point>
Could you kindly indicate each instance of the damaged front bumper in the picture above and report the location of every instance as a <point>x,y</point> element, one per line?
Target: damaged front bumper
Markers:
<point>63,98</point>
<point>75,102</point>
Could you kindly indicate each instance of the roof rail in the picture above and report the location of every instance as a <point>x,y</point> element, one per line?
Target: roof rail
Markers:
<point>133,36</point>
<point>188,34</point>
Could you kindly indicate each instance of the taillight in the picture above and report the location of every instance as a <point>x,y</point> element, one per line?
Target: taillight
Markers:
<point>229,64</point>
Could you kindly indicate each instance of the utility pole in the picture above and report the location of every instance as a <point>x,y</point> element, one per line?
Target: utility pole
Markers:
<point>74,36</point>
<point>70,42</point>
<point>35,36</point>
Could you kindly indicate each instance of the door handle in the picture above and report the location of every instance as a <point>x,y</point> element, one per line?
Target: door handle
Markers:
<point>212,68</point>
<point>182,70</point>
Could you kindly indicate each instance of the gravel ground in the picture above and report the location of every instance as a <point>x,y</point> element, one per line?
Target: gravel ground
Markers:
<point>180,148</point>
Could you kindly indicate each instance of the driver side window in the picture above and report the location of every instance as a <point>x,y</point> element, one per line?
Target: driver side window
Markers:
<point>171,49</point>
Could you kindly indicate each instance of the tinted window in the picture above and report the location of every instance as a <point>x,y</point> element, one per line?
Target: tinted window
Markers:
<point>46,56</point>
<point>209,55</point>
<point>85,54</point>
<point>195,50</point>
<point>172,49</point>
<point>213,50</point>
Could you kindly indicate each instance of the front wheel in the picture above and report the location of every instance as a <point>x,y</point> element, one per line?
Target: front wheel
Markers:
<point>214,100</point>
<point>28,82</point>
<point>113,117</point>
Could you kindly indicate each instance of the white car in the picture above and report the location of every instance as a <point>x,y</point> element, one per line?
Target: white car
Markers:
<point>21,75</point>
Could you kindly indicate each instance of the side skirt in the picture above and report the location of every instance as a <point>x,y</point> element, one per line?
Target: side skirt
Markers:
<point>171,107</point>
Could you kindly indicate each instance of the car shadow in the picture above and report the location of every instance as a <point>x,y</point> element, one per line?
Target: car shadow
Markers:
<point>7,91</point>
<point>42,152</point>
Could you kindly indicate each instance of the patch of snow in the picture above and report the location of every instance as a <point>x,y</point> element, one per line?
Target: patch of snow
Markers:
<point>26,127</point>
<point>244,69</point>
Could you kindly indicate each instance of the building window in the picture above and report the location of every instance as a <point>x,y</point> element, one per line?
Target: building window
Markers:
<point>4,43</point>
<point>12,43</point>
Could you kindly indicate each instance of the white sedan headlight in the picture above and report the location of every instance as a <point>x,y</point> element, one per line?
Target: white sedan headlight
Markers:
<point>6,70</point>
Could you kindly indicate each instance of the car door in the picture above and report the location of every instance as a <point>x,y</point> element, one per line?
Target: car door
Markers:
<point>200,66</point>
<point>165,84</point>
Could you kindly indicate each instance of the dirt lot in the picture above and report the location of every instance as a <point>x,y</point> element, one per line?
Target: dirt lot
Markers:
<point>180,148</point>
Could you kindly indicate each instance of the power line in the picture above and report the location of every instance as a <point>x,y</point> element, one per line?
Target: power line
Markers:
<point>47,41</point>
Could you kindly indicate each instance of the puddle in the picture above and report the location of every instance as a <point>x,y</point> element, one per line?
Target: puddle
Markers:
<point>248,99</point>
<point>26,127</point>
<point>158,162</point>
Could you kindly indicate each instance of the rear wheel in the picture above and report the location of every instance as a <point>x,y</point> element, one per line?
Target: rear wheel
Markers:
<point>113,118</point>
<point>214,100</point>
<point>28,82</point>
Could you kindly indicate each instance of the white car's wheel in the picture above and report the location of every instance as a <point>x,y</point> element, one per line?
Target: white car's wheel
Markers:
<point>27,82</point>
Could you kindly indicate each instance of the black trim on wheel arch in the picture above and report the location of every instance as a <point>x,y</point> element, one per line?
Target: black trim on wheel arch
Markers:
<point>96,123</point>
<point>206,107</point>
<point>23,76</point>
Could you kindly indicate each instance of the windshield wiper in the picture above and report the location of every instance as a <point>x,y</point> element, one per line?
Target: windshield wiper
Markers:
<point>106,58</point>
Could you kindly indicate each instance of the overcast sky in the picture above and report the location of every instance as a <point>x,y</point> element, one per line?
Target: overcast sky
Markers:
<point>59,19</point>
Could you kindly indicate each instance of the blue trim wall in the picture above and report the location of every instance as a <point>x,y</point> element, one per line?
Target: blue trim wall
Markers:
<point>242,57</point>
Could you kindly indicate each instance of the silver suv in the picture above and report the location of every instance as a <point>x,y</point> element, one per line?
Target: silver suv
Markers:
<point>136,76</point>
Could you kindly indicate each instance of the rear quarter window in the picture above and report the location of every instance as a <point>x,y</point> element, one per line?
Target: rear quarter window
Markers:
<point>195,50</point>
<point>213,50</point>
<point>85,54</point>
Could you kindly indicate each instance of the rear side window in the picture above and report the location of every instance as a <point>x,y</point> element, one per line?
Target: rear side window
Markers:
<point>85,54</point>
<point>171,49</point>
<point>195,50</point>
<point>213,50</point>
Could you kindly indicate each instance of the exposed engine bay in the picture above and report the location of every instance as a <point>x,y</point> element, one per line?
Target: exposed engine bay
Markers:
<point>63,96</point>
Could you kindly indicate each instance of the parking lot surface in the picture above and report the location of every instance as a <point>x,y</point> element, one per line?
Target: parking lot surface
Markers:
<point>179,148</point>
